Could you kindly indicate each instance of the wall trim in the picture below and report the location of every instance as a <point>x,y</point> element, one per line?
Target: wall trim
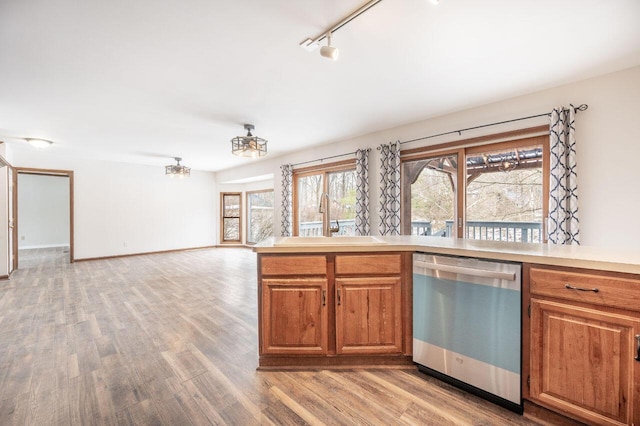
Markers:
<point>116,256</point>
<point>222,245</point>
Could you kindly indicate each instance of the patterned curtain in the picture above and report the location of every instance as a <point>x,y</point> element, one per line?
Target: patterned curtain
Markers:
<point>390,188</point>
<point>563,188</point>
<point>362,192</point>
<point>286,210</point>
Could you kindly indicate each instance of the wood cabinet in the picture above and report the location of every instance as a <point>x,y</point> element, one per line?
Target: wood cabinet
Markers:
<point>335,309</point>
<point>294,317</point>
<point>583,344</point>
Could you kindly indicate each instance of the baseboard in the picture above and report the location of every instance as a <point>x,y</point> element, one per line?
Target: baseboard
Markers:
<point>88,259</point>
<point>4,277</point>
<point>247,246</point>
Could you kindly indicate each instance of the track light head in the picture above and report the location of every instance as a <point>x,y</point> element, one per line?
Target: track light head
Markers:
<point>329,51</point>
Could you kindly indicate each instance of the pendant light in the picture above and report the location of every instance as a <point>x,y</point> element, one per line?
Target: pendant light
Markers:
<point>249,146</point>
<point>177,170</point>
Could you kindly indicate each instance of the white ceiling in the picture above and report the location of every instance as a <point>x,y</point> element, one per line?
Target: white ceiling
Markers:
<point>143,81</point>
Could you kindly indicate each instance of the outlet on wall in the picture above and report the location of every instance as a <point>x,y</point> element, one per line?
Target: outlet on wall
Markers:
<point>22,238</point>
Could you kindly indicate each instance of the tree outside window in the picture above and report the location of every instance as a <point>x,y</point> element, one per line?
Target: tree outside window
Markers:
<point>260,215</point>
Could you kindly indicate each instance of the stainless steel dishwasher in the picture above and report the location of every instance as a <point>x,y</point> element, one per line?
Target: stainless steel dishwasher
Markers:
<point>466,325</point>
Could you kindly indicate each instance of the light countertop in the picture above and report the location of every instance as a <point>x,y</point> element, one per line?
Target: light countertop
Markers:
<point>604,259</point>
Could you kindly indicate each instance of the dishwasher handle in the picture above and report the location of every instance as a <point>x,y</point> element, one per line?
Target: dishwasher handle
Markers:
<point>509,276</point>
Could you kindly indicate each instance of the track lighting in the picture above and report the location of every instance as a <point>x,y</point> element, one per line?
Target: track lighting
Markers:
<point>329,51</point>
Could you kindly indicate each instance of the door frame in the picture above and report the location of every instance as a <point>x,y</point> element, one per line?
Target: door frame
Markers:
<point>41,172</point>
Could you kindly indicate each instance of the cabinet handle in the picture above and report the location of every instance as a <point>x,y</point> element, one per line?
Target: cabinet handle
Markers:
<point>339,298</point>
<point>570,287</point>
<point>637,347</point>
<point>324,297</point>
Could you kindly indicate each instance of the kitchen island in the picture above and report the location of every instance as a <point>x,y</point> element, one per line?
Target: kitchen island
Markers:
<point>334,302</point>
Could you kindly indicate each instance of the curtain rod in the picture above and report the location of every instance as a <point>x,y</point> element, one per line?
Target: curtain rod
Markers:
<point>582,107</point>
<point>324,158</point>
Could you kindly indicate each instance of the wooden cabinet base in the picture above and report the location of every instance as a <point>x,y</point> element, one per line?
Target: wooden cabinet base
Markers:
<point>334,362</point>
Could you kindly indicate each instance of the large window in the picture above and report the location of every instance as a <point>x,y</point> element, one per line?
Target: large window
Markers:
<point>230,216</point>
<point>259,215</point>
<point>491,192</point>
<point>338,182</point>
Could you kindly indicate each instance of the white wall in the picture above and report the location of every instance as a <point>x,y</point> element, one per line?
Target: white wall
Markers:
<point>608,150</point>
<point>125,208</point>
<point>43,211</point>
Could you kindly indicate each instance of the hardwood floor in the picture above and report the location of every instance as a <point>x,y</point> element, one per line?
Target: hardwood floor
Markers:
<point>170,339</point>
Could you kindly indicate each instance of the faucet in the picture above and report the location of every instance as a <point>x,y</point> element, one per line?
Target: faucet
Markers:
<point>325,205</point>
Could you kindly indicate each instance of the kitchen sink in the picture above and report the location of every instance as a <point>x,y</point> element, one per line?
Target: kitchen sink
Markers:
<point>328,241</point>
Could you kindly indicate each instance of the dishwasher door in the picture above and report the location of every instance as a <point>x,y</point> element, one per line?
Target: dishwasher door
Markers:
<point>466,325</point>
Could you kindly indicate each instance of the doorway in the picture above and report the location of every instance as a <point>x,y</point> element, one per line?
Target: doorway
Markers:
<point>43,217</point>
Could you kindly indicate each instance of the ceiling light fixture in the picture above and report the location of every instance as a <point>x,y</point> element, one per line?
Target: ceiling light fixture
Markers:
<point>178,170</point>
<point>39,143</point>
<point>249,146</point>
<point>329,51</point>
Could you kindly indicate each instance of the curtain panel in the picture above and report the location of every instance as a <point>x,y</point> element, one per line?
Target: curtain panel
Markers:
<point>390,188</point>
<point>563,223</point>
<point>362,192</point>
<point>286,207</point>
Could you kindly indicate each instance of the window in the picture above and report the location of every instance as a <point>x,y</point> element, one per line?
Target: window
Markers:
<point>490,192</point>
<point>338,181</point>
<point>231,207</point>
<point>259,215</point>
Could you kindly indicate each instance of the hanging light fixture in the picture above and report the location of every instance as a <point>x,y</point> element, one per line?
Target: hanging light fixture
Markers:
<point>177,169</point>
<point>329,51</point>
<point>249,146</point>
<point>39,143</point>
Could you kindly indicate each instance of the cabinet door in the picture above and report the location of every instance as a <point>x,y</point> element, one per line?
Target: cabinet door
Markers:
<point>368,315</point>
<point>582,362</point>
<point>294,316</point>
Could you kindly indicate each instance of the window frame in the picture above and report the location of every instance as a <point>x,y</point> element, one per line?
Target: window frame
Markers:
<point>223,217</point>
<point>248,212</point>
<point>324,170</point>
<point>514,139</point>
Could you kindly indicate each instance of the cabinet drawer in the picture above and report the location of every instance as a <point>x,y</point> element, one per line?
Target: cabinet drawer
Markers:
<point>368,264</point>
<point>623,293</point>
<point>293,265</point>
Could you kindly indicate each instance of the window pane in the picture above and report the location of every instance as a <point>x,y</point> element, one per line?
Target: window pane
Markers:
<point>504,195</point>
<point>231,229</point>
<point>309,218</point>
<point>231,207</point>
<point>260,216</point>
<point>432,184</point>
<point>342,193</point>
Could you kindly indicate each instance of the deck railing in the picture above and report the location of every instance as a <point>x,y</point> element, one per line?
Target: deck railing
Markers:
<point>526,232</point>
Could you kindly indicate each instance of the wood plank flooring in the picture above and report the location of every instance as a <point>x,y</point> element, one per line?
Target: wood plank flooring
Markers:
<point>170,339</point>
